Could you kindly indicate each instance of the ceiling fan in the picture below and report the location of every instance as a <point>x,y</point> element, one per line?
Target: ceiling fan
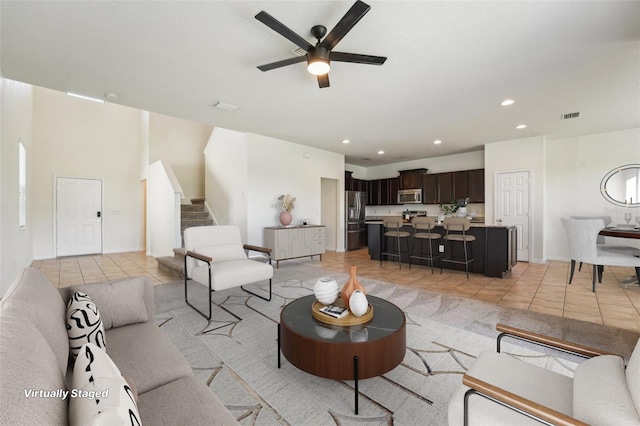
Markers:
<point>319,57</point>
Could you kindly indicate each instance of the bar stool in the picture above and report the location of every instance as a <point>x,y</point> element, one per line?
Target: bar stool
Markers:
<point>392,225</point>
<point>460,226</point>
<point>423,230</point>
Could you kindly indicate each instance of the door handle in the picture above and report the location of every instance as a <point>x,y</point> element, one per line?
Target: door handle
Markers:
<point>499,220</point>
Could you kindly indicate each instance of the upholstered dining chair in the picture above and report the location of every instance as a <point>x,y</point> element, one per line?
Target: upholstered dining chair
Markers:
<point>601,241</point>
<point>583,247</point>
<point>217,259</point>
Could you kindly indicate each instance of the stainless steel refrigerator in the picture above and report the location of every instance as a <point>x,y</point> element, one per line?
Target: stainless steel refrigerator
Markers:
<point>355,229</point>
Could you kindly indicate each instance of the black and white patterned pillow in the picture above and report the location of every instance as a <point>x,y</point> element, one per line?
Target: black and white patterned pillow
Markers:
<point>83,323</point>
<point>99,394</point>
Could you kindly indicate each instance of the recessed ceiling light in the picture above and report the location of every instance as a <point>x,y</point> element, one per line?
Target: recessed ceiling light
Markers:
<point>507,102</point>
<point>112,96</point>
<point>521,126</point>
<point>437,142</point>
<point>75,95</point>
<point>380,152</point>
<point>345,141</point>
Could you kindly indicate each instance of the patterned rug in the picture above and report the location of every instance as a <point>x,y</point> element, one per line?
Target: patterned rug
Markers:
<point>237,358</point>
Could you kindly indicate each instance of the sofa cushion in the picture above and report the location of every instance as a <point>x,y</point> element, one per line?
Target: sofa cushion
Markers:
<point>233,273</point>
<point>29,366</point>
<point>522,378</point>
<point>100,395</point>
<point>198,405</point>
<point>33,298</point>
<point>633,376</point>
<point>143,352</point>
<point>120,302</point>
<point>600,394</point>
<point>83,323</point>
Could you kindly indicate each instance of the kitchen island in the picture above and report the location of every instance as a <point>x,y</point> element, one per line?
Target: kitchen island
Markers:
<point>494,249</point>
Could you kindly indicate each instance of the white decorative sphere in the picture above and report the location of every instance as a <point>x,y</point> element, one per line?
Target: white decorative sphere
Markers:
<point>358,303</point>
<point>326,290</point>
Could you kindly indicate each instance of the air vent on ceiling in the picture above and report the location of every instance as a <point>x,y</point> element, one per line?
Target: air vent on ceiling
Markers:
<point>570,115</point>
<point>366,159</point>
<point>299,51</point>
<point>225,106</point>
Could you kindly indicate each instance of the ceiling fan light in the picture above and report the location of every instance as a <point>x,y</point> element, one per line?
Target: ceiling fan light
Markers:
<point>318,66</point>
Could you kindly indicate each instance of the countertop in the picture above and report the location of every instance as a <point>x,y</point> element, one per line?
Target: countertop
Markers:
<point>473,224</point>
<point>294,226</point>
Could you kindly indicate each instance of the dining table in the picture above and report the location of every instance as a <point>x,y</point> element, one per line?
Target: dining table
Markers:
<point>623,232</point>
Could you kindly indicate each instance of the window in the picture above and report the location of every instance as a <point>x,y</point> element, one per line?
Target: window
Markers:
<point>22,182</point>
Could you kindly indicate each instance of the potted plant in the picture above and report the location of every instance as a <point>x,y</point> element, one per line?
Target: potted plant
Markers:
<point>449,209</point>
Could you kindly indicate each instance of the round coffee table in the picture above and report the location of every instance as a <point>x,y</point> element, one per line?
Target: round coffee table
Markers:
<point>342,352</point>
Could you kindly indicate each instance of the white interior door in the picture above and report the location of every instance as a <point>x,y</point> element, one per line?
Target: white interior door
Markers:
<point>78,216</point>
<point>513,207</point>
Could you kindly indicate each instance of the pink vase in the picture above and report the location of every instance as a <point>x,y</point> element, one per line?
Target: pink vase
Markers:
<point>285,218</point>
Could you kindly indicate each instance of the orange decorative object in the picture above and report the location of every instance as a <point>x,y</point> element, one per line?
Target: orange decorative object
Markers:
<point>352,285</point>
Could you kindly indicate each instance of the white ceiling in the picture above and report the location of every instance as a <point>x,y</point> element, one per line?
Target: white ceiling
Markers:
<point>449,65</point>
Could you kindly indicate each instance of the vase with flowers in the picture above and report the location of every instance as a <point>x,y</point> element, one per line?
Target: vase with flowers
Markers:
<point>285,203</point>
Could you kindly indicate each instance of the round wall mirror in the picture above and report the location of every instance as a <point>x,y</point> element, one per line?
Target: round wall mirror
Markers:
<point>621,186</point>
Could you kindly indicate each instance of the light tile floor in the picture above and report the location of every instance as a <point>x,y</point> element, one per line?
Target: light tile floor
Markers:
<point>534,287</point>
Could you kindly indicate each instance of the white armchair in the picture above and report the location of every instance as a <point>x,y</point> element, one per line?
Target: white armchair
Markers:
<point>217,259</point>
<point>499,389</point>
<point>583,237</point>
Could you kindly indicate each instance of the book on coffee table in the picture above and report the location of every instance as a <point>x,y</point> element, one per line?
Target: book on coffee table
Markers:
<point>335,311</point>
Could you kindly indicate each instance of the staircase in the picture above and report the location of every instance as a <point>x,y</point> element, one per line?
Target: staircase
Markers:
<point>194,214</point>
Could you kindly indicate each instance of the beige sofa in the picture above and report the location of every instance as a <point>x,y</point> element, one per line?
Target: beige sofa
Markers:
<point>34,355</point>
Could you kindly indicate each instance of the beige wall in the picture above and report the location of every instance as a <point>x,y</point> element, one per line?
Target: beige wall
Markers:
<point>181,144</point>
<point>574,168</point>
<point>512,156</point>
<point>247,172</point>
<point>78,138</point>
<point>16,245</point>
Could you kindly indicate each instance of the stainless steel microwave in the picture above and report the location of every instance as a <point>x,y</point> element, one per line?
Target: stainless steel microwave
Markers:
<point>410,196</point>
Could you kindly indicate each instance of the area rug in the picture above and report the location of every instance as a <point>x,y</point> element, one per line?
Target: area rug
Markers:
<point>237,358</point>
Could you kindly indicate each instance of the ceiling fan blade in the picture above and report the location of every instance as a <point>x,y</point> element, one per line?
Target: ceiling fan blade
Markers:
<point>351,18</point>
<point>283,30</point>
<point>323,80</point>
<point>357,58</point>
<point>283,63</point>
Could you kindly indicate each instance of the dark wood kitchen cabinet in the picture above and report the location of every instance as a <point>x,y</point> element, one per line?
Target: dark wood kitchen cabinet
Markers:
<point>348,181</point>
<point>394,185</point>
<point>430,189</point>
<point>383,192</point>
<point>445,188</point>
<point>412,179</point>
<point>373,192</point>
<point>459,183</point>
<point>476,185</point>
<point>360,185</point>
